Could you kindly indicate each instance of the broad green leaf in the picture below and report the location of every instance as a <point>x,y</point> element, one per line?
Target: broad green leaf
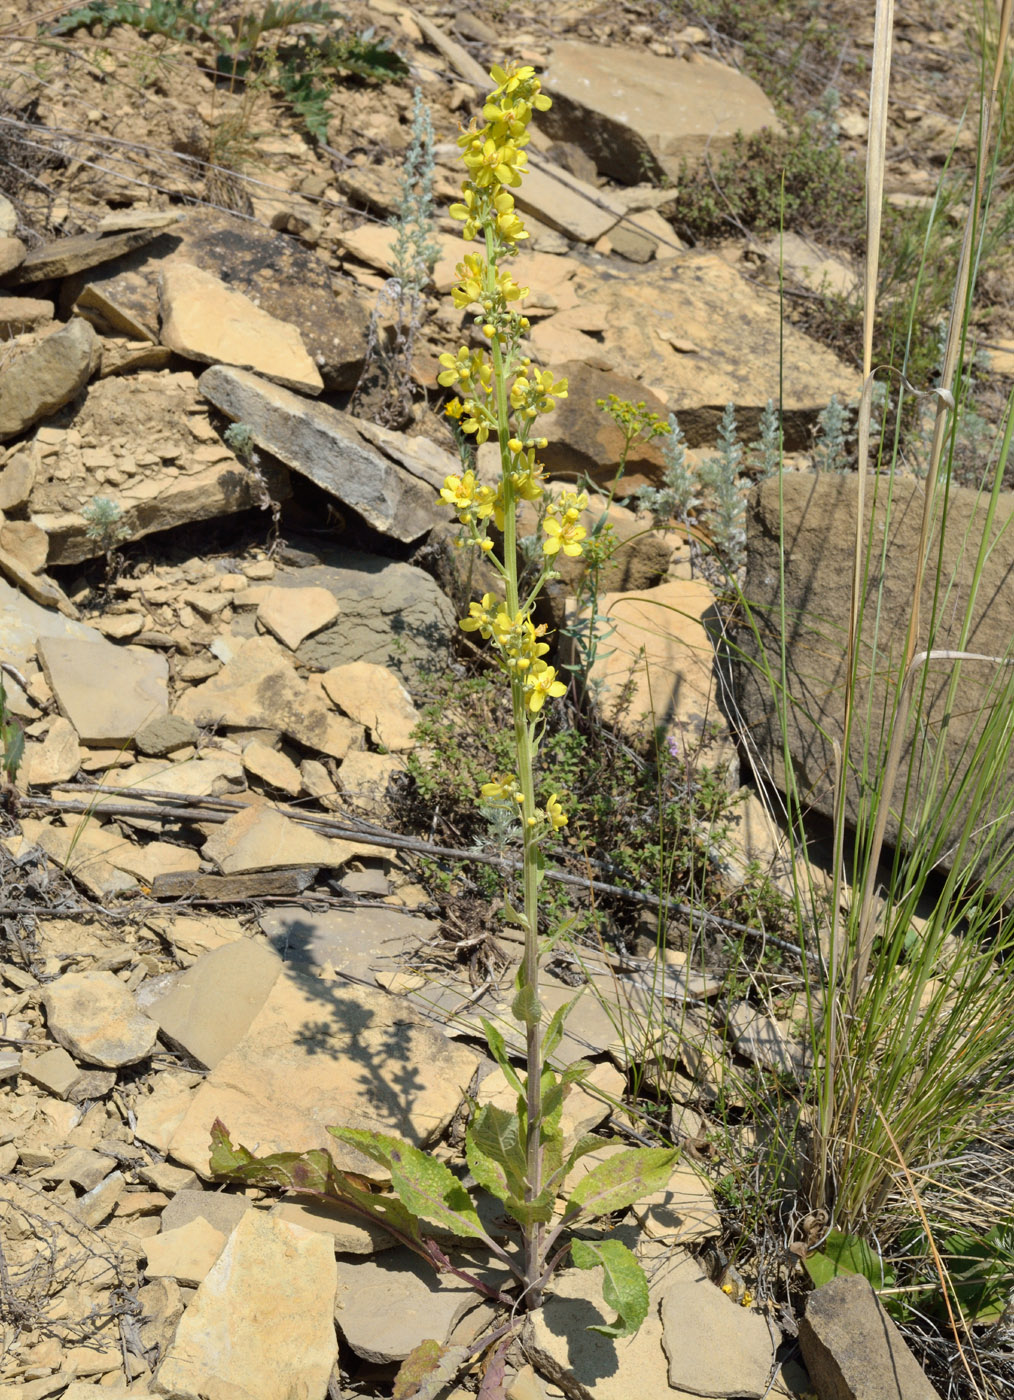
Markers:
<point>495,1155</point>
<point>311,1173</point>
<point>525,1008</point>
<point>428,1370</point>
<point>12,737</point>
<point>498,1049</point>
<point>588,1143</point>
<point>847,1254</point>
<point>621,1180</point>
<point>555,1090</point>
<point>526,1213</point>
<point>497,1134</point>
<point>424,1186</point>
<point>624,1286</point>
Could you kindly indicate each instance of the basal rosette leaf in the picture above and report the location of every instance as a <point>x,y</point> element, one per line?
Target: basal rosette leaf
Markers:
<point>423,1185</point>
<point>624,1286</point>
<point>621,1180</point>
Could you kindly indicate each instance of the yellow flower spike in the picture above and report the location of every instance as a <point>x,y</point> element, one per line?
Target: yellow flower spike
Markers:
<point>555,814</point>
<point>480,616</point>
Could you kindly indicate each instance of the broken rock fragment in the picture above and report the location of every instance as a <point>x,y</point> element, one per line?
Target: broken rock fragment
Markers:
<point>107,692</point>
<point>94,1016</point>
<point>204,319</point>
<point>43,377</point>
<point>261,1324</point>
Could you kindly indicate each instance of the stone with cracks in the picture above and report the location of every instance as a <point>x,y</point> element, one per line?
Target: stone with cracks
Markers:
<point>818,572</point>
<point>293,614</point>
<point>636,113</point>
<point>692,331</point>
<point>320,1053</point>
<point>107,692</point>
<point>852,1349</point>
<point>374,697</point>
<point>208,1007</point>
<point>261,1325</point>
<point>203,319</point>
<point>64,256</point>
<point>322,444</point>
<point>259,689</point>
<point>272,768</point>
<point>565,203</point>
<point>353,942</point>
<point>261,838</point>
<point>186,1254</point>
<point>17,477</point>
<point>94,1016</point>
<point>40,378</point>
<point>55,760</point>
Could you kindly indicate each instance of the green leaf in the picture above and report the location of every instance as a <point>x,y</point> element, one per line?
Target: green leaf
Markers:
<point>423,1185</point>
<point>528,1213</point>
<point>624,1286</point>
<point>310,1173</point>
<point>498,1049</point>
<point>554,1031</point>
<point>495,1153</point>
<point>525,1008</point>
<point>621,1180</point>
<point>514,916</point>
<point>428,1370</point>
<point>588,1143</point>
<point>847,1254</point>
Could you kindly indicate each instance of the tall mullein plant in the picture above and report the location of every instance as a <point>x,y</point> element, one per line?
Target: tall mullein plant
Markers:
<point>502,396</point>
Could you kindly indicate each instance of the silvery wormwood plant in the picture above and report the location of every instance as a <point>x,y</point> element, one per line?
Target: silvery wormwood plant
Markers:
<point>517,1155</point>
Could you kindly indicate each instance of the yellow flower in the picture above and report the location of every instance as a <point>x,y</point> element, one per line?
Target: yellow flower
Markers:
<point>541,683</point>
<point>555,814</point>
<point>505,789</point>
<point>481,617</point>
<point>565,535</point>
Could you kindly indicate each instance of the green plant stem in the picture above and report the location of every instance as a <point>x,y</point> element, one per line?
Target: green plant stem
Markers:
<point>530,873</point>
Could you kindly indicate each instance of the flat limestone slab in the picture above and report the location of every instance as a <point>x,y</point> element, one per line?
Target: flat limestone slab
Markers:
<point>261,1324</point>
<point>320,1053</point>
<point>107,692</point>
<point>204,319</point>
<point>322,444</point>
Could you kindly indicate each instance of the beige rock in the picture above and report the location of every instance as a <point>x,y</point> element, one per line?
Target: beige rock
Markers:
<point>660,642</point>
<point>93,1016</point>
<point>107,692</point>
<point>191,937</point>
<point>321,1053</point>
<point>715,1347</point>
<point>365,778</point>
<point>853,1349</point>
<point>42,378</point>
<point>209,1007</point>
<point>373,696</point>
<point>374,244</point>
<point>259,689</point>
<point>810,264</point>
<point>120,627</point>
<point>818,572</point>
<point>272,767</point>
<point>205,320</point>
<point>99,1203</point>
<point>20,314</point>
<point>269,1272</point>
<point>56,759</point>
<point>261,838</point>
<point>324,445</point>
<point>351,1233</point>
<point>186,1254</point>
<point>16,480</point>
<point>161,1112</point>
<point>54,1071</point>
<point>12,254</point>
<point>683,1211</point>
<point>146,863</point>
<point>293,614</point>
<point>566,203</point>
<point>84,848</point>
<point>63,256</point>
<point>638,114</point>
